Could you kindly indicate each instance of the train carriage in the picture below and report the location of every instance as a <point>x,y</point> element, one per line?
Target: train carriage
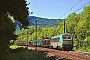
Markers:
<point>20,43</point>
<point>63,42</point>
<point>37,43</point>
<point>46,42</point>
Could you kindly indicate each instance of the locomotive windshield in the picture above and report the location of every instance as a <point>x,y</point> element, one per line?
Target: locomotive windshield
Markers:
<point>66,36</point>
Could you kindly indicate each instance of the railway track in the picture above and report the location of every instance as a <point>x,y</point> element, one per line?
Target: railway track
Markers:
<point>69,55</point>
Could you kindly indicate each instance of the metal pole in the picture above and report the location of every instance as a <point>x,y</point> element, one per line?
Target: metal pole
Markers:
<point>64,26</point>
<point>27,38</point>
<point>36,34</point>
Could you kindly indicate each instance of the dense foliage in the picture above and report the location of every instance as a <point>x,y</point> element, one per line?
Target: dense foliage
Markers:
<point>76,24</point>
<point>18,10</point>
<point>79,26</point>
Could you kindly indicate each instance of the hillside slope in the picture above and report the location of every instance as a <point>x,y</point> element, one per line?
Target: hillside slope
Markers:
<point>43,22</point>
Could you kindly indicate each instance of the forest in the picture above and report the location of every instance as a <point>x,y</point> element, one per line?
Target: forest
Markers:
<point>76,24</point>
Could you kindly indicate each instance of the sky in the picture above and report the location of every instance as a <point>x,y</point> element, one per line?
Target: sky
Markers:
<point>55,9</point>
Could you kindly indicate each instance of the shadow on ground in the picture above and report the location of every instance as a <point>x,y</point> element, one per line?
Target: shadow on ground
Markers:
<point>25,54</point>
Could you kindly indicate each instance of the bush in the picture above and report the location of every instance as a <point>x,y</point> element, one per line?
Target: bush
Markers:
<point>14,46</point>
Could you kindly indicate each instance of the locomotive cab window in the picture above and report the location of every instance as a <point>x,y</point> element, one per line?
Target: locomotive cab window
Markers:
<point>66,37</point>
<point>69,37</point>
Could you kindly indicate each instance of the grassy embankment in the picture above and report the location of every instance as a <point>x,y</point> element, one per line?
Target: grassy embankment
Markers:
<point>22,53</point>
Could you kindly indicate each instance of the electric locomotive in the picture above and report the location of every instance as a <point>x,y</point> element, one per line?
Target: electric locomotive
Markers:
<point>62,41</point>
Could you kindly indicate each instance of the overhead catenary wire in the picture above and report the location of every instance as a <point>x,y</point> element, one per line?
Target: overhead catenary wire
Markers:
<point>71,8</point>
<point>74,11</point>
<point>87,3</point>
<point>82,6</point>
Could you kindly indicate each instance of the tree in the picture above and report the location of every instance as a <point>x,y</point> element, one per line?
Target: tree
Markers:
<point>7,28</point>
<point>19,10</point>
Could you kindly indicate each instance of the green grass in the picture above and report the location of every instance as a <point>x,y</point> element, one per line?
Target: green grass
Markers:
<point>16,46</point>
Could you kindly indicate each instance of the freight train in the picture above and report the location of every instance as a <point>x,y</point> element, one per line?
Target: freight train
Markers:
<point>62,42</point>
